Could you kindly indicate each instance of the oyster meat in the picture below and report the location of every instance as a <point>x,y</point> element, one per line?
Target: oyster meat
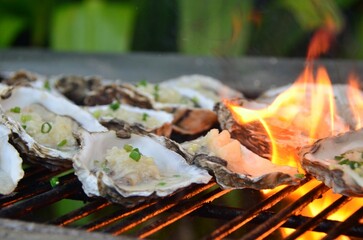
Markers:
<point>156,121</point>
<point>44,124</point>
<point>338,162</point>
<point>234,166</point>
<point>11,170</point>
<point>132,162</point>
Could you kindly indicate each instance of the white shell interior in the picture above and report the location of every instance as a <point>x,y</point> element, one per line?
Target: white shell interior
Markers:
<point>11,170</point>
<point>168,162</point>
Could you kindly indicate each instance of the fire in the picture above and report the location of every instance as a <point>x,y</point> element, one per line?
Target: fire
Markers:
<point>307,110</point>
<point>355,100</point>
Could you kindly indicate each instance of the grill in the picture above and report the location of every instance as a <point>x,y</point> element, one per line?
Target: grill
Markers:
<point>199,211</point>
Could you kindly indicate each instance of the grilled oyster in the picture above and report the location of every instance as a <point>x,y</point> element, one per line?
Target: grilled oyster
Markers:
<point>10,163</point>
<point>44,124</point>
<point>234,166</point>
<point>132,162</point>
<point>338,162</point>
<point>152,120</point>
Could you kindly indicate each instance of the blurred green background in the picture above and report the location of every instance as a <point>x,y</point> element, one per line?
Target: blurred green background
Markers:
<point>204,27</point>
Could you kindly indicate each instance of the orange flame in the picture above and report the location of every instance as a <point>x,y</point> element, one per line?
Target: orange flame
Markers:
<point>307,109</point>
<point>355,99</point>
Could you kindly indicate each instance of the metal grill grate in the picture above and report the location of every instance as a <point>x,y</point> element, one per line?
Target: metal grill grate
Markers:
<point>259,220</point>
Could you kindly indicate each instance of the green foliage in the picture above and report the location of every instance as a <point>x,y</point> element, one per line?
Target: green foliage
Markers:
<point>10,26</point>
<point>93,26</point>
<point>209,28</point>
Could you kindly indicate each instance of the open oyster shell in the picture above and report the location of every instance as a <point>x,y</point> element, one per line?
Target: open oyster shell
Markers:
<point>234,166</point>
<point>120,177</point>
<point>37,118</point>
<point>11,170</point>
<point>156,121</point>
<point>338,162</point>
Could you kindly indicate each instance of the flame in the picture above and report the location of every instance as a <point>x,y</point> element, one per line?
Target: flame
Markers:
<point>355,99</point>
<point>306,108</point>
<point>307,111</point>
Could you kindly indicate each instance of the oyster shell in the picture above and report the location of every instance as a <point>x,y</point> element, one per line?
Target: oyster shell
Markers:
<point>44,124</point>
<point>77,88</point>
<point>11,170</point>
<point>338,162</point>
<point>234,166</point>
<point>155,121</point>
<point>120,176</point>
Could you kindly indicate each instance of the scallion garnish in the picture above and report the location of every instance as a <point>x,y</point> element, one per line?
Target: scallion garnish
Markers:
<point>46,85</point>
<point>46,127</point>
<point>54,181</point>
<point>62,143</point>
<point>338,158</point>
<point>23,126</point>
<point>104,167</point>
<point>135,154</point>
<point>195,101</point>
<point>300,175</point>
<point>15,110</point>
<point>156,92</point>
<point>145,116</point>
<point>161,183</point>
<point>142,83</point>
<point>115,105</point>
<point>97,114</point>
<point>25,118</point>
<point>128,147</point>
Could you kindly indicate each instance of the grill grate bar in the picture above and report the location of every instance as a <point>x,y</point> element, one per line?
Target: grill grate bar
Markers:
<point>80,212</point>
<point>345,225</point>
<point>184,210</point>
<point>242,219</point>
<point>154,210</point>
<point>43,199</point>
<point>26,188</point>
<point>281,217</point>
<point>313,222</point>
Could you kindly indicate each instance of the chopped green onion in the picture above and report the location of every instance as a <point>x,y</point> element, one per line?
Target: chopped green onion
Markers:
<point>115,105</point>
<point>145,117</point>
<point>104,167</point>
<point>25,118</point>
<point>176,175</point>
<point>338,158</point>
<point>24,126</point>
<point>156,92</point>
<point>195,100</point>
<point>62,143</point>
<point>97,114</point>
<point>142,83</point>
<point>135,154</point>
<point>54,181</point>
<point>161,183</point>
<point>300,175</point>
<point>128,147</point>
<point>46,127</point>
<point>47,85</point>
<point>15,110</point>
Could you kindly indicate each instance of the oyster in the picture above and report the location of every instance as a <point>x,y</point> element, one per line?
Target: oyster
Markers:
<point>132,162</point>
<point>234,166</point>
<point>152,120</point>
<point>44,124</point>
<point>77,88</point>
<point>11,170</point>
<point>338,162</point>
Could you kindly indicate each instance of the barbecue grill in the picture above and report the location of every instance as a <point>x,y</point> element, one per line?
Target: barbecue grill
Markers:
<point>198,211</point>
